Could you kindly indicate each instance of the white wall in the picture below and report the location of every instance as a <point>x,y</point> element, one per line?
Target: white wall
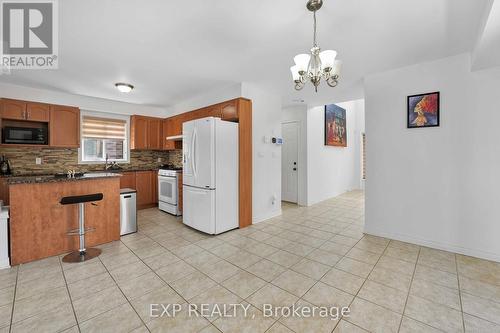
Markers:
<point>266,156</point>
<point>332,171</point>
<point>299,114</point>
<point>83,102</point>
<point>435,186</point>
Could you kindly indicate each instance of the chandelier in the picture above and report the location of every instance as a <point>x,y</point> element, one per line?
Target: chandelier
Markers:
<point>316,65</point>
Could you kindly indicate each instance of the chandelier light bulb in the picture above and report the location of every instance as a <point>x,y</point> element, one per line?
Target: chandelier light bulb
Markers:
<point>295,73</point>
<point>302,61</point>
<point>328,58</point>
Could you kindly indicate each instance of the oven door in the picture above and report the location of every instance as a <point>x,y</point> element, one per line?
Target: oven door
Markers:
<point>167,189</point>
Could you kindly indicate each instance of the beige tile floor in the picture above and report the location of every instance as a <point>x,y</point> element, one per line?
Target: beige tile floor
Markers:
<point>308,256</point>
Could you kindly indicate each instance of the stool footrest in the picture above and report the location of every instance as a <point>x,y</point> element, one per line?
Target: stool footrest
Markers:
<point>76,232</point>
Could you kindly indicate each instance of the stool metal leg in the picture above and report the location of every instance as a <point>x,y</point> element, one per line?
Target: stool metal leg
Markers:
<point>82,254</point>
<point>81,226</point>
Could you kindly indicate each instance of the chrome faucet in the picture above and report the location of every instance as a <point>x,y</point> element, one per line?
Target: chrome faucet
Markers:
<point>106,166</point>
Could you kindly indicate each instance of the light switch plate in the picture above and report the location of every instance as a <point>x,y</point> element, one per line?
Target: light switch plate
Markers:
<point>38,160</point>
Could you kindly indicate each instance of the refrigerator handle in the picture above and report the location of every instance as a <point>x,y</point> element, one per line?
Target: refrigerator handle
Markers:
<point>193,153</point>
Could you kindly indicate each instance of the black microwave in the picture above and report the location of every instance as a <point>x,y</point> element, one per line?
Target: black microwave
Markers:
<point>25,135</point>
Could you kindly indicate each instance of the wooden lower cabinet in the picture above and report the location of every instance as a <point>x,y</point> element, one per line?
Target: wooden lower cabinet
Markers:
<point>146,185</point>
<point>39,223</point>
<point>4,191</point>
<point>127,180</point>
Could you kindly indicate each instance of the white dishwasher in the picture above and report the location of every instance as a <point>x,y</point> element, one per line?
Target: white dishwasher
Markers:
<point>128,211</point>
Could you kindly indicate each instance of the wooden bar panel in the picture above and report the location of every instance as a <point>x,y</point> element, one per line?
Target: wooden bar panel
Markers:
<point>39,223</point>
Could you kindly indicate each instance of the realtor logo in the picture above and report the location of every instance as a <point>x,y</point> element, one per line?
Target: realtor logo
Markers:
<point>29,34</point>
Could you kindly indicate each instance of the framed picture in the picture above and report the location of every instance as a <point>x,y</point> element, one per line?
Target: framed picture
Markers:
<point>423,110</point>
<point>335,126</point>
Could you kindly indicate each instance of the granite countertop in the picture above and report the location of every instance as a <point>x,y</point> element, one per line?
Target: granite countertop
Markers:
<point>86,172</point>
<point>15,180</point>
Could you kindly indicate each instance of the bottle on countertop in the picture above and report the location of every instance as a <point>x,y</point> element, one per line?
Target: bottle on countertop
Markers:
<point>4,166</point>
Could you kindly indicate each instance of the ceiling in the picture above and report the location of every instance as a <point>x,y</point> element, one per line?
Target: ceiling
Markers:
<point>174,50</point>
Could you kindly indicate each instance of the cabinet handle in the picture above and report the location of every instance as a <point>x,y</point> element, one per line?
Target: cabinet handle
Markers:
<point>29,115</point>
<point>24,114</point>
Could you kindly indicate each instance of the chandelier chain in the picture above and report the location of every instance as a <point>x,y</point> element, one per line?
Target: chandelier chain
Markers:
<point>315,44</point>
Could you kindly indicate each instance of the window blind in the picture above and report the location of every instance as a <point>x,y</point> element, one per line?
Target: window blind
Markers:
<point>104,128</point>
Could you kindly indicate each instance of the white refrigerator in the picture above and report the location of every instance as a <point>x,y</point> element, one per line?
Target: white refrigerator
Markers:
<point>210,175</point>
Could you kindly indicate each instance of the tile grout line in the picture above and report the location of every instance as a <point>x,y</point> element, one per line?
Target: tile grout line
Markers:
<point>121,291</point>
<point>69,294</point>
<point>14,300</point>
<point>409,288</point>
<point>366,279</point>
<point>245,269</point>
<point>459,292</point>
<point>331,267</point>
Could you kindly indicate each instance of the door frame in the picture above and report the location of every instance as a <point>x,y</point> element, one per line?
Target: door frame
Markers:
<point>299,160</point>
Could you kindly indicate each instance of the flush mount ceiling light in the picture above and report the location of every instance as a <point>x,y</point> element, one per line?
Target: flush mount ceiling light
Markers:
<point>316,65</point>
<point>124,87</point>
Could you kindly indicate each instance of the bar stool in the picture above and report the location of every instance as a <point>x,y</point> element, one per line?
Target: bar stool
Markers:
<point>82,254</point>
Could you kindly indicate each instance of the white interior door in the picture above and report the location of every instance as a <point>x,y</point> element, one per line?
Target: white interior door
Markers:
<point>289,162</point>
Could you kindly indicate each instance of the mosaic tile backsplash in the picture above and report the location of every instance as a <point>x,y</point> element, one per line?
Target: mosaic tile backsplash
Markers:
<point>54,160</point>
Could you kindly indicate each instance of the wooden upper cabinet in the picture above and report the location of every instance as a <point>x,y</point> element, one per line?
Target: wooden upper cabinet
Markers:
<point>138,132</point>
<point>145,133</point>
<point>167,131</point>
<point>201,113</point>
<point>154,134</point>
<point>12,109</point>
<point>177,124</point>
<point>229,111</point>
<point>37,112</point>
<point>215,111</point>
<point>64,126</point>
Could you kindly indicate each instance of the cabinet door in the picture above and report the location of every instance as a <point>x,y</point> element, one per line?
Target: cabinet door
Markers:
<point>179,193</point>
<point>143,188</point>
<point>154,186</point>
<point>127,180</point>
<point>167,131</point>
<point>201,113</point>
<point>64,126</point>
<point>229,111</point>
<point>139,132</point>
<point>215,111</point>
<point>12,109</point>
<point>37,112</point>
<point>154,134</point>
<point>4,191</point>
<point>177,124</point>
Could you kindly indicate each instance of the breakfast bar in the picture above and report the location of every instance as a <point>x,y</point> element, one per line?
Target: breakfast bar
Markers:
<point>39,223</point>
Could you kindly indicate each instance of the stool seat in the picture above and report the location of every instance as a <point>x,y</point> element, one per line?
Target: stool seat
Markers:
<point>81,199</point>
<point>82,254</point>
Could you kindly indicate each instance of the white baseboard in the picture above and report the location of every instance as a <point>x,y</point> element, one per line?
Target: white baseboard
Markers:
<point>4,263</point>
<point>264,217</point>
<point>436,245</point>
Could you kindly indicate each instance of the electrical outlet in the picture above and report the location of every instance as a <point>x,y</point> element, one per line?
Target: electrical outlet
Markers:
<point>159,160</point>
<point>38,160</point>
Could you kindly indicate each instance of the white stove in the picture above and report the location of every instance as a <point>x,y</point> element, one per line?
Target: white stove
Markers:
<point>168,187</point>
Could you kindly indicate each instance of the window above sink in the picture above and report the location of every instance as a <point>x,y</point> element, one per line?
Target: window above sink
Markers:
<point>104,135</point>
